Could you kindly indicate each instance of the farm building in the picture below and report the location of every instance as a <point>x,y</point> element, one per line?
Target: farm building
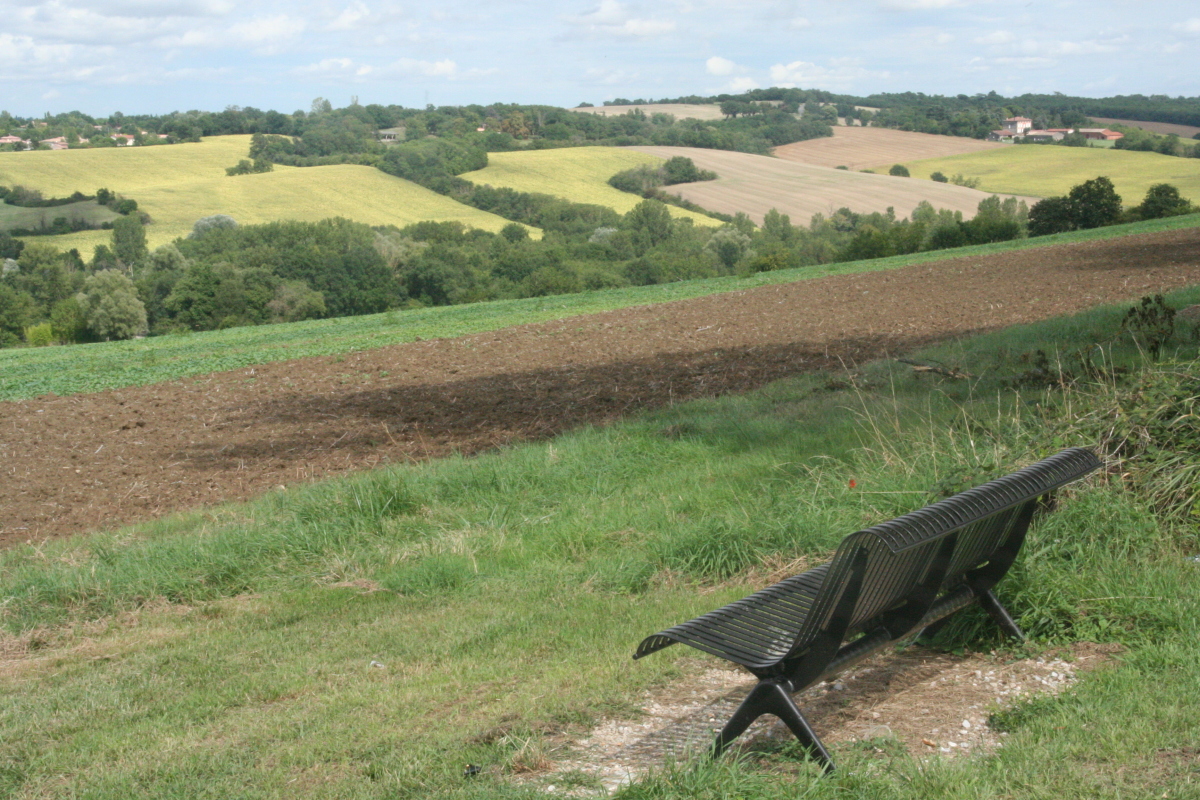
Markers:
<point>1102,134</point>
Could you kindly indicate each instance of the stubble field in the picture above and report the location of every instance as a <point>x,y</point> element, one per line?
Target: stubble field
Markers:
<point>859,148</point>
<point>756,184</point>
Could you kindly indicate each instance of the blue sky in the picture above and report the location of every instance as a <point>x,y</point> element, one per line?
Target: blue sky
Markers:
<point>154,56</point>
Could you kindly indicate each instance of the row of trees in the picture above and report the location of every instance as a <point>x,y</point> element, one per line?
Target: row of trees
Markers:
<point>1095,203</point>
<point>226,275</point>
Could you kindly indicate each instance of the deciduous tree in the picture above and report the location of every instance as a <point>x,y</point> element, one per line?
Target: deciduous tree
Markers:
<point>111,306</point>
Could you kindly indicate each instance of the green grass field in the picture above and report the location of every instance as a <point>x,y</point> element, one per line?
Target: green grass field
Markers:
<point>1045,171</point>
<point>14,217</point>
<point>578,174</point>
<point>63,370</point>
<point>178,184</point>
<point>370,637</point>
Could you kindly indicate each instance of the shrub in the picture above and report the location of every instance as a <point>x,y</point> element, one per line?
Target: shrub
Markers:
<point>214,222</point>
<point>1163,200</point>
<point>39,335</point>
<point>899,170</point>
<point>940,177</point>
<point>1052,215</point>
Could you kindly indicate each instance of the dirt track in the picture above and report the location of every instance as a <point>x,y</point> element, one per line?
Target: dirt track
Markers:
<point>80,463</point>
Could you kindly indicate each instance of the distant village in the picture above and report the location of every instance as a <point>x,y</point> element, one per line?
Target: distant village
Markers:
<point>13,142</point>
<point>1021,129</point>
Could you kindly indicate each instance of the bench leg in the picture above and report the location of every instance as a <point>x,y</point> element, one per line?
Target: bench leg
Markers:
<point>1000,614</point>
<point>772,697</point>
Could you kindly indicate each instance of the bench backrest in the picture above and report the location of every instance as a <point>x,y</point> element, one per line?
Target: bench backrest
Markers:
<point>976,533</point>
<point>886,577</point>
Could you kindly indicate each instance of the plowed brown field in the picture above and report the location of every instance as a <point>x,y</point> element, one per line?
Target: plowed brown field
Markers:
<point>81,463</point>
<point>863,148</point>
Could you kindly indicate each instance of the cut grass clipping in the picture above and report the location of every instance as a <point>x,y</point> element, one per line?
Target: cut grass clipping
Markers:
<point>371,637</point>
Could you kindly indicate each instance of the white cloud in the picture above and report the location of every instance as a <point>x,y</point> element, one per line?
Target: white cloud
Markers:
<point>443,68</point>
<point>268,32</point>
<point>799,23</point>
<point>23,51</point>
<point>351,18</point>
<point>1085,48</point>
<point>611,77</point>
<point>919,5</point>
<point>333,68</point>
<point>612,18</point>
<point>995,38</point>
<point>1024,62</point>
<point>841,74</point>
<point>720,66</point>
<point>738,85</point>
<point>1190,26</point>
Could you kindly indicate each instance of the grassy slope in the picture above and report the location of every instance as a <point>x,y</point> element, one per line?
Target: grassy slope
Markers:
<point>233,653</point>
<point>88,210</point>
<point>1047,170</point>
<point>579,174</point>
<point>178,184</point>
<point>29,372</point>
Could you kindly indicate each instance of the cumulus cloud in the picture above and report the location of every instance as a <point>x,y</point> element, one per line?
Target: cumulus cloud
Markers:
<point>995,38</point>
<point>351,18</point>
<point>720,66</point>
<point>738,85</point>
<point>611,77</point>
<point>919,5</point>
<point>442,68</point>
<point>613,18</point>
<point>268,32</point>
<point>841,74</point>
<point>1189,26</point>
<point>329,68</point>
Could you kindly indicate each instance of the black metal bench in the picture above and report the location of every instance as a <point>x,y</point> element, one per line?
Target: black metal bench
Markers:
<point>884,584</point>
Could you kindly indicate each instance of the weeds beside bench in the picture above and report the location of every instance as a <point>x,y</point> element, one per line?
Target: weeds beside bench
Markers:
<point>884,584</point>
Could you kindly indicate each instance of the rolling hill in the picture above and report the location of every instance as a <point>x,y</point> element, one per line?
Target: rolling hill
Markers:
<point>1046,170</point>
<point>178,184</point>
<point>701,111</point>
<point>862,148</point>
<point>579,174</point>
<point>756,184</point>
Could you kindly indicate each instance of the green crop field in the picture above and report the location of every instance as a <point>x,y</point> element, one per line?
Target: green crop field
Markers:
<point>178,184</point>
<point>1045,171</point>
<point>14,217</point>
<point>579,174</point>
